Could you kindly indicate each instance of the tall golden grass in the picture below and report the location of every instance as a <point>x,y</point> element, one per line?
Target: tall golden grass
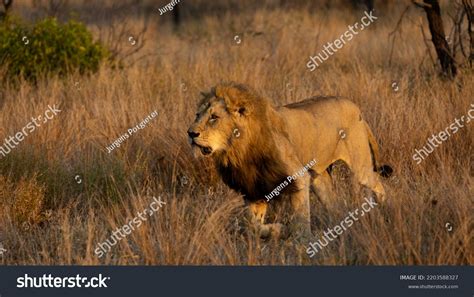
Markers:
<point>48,217</point>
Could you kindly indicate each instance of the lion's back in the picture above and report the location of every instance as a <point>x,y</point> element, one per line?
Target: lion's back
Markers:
<point>314,124</point>
<point>323,111</point>
<point>326,105</point>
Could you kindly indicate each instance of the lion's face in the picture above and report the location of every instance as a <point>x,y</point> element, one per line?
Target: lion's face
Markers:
<point>213,129</point>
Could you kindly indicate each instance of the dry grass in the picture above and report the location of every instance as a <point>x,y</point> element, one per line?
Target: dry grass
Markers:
<point>199,224</point>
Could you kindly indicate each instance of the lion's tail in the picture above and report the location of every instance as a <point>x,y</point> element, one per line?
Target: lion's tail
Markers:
<point>383,170</point>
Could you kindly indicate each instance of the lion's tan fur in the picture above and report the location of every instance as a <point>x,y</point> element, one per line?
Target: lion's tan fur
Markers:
<point>275,142</point>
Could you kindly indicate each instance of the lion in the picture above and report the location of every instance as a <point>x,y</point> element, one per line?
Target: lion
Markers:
<point>258,147</point>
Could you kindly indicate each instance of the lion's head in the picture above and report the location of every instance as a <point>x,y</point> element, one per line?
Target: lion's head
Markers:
<point>237,127</point>
<point>224,118</point>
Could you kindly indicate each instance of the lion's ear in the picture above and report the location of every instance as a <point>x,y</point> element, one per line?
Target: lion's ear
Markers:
<point>243,111</point>
<point>235,99</point>
<point>222,92</point>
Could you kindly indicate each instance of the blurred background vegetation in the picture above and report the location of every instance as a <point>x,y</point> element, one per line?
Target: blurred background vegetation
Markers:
<point>48,47</point>
<point>61,192</point>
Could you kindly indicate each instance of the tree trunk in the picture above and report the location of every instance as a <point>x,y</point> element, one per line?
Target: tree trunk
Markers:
<point>369,4</point>
<point>469,9</point>
<point>176,16</point>
<point>433,13</point>
<point>6,4</point>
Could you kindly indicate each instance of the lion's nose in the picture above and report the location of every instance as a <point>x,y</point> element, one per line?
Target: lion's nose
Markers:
<point>193,134</point>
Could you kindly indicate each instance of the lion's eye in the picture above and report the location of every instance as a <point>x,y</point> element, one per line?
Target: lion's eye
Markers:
<point>213,118</point>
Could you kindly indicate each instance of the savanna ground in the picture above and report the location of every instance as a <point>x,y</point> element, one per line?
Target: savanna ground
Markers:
<point>61,193</point>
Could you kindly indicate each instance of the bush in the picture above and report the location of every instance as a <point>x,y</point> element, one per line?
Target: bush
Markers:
<point>48,47</point>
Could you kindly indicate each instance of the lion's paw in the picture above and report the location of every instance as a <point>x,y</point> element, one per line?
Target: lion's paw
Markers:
<point>276,231</point>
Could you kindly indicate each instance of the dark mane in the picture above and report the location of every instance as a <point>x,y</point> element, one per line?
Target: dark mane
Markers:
<point>252,165</point>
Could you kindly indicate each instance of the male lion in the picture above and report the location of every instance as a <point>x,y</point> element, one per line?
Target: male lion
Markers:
<point>257,147</point>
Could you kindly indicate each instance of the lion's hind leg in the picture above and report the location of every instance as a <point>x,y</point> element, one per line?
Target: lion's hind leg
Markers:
<point>370,179</point>
<point>362,166</point>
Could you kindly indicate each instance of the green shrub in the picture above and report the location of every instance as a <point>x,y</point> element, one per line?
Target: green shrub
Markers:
<point>51,48</point>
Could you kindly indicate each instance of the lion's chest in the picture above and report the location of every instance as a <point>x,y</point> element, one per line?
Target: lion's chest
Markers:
<point>255,178</point>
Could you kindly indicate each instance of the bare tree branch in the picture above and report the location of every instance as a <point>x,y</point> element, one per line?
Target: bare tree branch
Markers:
<point>438,37</point>
<point>396,30</point>
<point>421,4</point>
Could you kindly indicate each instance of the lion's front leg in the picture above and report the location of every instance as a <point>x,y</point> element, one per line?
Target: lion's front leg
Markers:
<point>257,213</point>
<point>322,185</point>
<point>300,203</point>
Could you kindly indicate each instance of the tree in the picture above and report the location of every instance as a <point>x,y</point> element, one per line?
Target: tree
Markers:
<point>369,4</point>
<point>438,37</point>
<point>176,16</point>
<point>469,9</point>
<point>6,4</point>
